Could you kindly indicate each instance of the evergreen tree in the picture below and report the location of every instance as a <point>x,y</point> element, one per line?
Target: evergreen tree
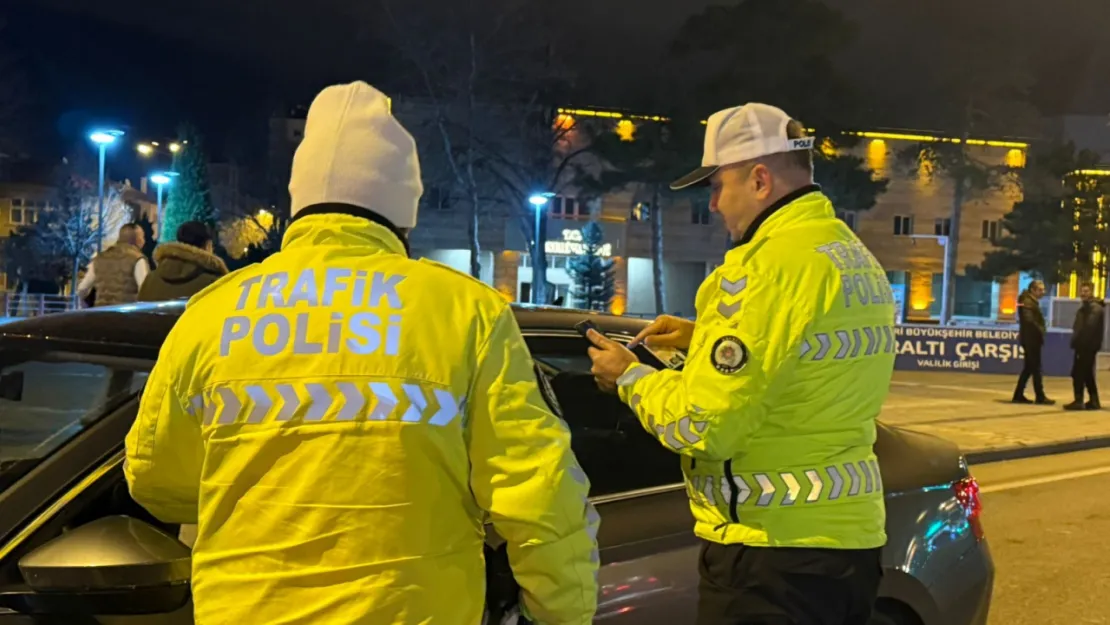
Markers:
<point>594,280</point>
<point>1059,227</point>
<point>189,198</point>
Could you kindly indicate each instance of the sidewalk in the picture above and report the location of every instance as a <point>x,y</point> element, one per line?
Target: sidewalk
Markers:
<point>974,411</point>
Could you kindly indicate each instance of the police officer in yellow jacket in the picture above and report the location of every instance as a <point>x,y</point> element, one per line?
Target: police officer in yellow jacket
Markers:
<point>789,362</point>
<point>341,421</point>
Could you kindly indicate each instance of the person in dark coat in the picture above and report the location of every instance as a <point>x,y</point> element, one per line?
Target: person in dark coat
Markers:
<point>1031,331</point>
<point>184,268</point>
<point>1086,340</point>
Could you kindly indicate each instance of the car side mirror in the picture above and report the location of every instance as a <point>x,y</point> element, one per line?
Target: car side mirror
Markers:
<point>113,566</point>
<point>11,386</point>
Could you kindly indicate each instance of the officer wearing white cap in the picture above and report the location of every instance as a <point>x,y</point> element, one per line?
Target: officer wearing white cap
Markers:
<point>341,422</point>
<point>789,361</point>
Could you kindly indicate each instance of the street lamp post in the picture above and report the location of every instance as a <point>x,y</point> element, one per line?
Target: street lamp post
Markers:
<point>161,179</point>
<point>102,138</point>
<point>942,241</point>
<point>538,202</point>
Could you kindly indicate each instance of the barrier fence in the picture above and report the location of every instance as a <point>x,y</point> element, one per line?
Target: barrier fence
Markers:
<point>17,304</point>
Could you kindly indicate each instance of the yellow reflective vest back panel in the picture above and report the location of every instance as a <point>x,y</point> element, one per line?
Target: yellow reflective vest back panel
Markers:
<point>340,421</point>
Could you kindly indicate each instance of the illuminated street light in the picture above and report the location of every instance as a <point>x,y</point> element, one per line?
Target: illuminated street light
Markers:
<point>161,179</point>
<point>105,137</point>
<point>538,201</point>
<point>145,149</point>
<point>102,138</point>
<point>175,147</point>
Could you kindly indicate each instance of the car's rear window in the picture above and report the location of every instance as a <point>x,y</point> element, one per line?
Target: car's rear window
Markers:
<point>48,398</point>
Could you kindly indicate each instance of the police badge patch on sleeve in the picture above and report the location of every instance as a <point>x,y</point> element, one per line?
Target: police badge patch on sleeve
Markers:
<point>728,354</point>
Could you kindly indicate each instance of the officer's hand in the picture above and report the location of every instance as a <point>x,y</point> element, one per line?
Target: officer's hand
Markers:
<point>666,331</point>
<point>611,360</point>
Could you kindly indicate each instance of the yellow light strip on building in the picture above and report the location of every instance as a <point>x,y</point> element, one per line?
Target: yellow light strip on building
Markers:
<point>862,133</point>
<point>1091,172</point>
<point>612,115</point>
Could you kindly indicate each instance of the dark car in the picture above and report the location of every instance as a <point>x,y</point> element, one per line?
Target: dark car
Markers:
<point>73,544</point>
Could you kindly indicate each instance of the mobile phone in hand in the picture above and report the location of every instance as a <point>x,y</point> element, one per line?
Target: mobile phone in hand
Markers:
<point>584,327</point>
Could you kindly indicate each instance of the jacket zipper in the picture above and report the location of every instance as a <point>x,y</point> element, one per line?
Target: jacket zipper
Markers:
<point>734,494</point>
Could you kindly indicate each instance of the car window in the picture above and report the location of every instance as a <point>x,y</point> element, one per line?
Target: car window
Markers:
<point>48,398</point>
<point>611,445</point>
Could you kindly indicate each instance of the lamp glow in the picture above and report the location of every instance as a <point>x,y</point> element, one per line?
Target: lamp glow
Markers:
<point>539,200</point>
<point>175,147</point>
<point>105,137</point>
<point>145,149</point>
<point>160,179</point>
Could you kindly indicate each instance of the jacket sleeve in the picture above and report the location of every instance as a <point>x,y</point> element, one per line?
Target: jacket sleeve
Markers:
<point>712,407</point>
<point>164,447</point>
<point>525,476</point>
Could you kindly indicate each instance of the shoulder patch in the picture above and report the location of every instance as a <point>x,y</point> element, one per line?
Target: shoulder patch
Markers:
<point>728,354</point>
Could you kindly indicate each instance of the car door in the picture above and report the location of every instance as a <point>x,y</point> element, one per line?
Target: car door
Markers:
<point>649,554</point>
<point>63,416</point>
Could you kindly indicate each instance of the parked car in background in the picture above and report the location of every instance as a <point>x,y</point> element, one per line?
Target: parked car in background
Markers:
<point>73,543</point>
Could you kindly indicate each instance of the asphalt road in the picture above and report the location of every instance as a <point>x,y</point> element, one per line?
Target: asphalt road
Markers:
<point>1047,520</point>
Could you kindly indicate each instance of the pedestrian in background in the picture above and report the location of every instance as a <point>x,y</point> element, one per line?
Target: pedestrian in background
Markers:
<point>118,272</point>
<point>1086,340</point>
<point>184,267</point>
<point>1031,331</point>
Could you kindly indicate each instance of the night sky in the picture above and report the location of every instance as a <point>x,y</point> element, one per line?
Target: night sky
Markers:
<point>227,64</point>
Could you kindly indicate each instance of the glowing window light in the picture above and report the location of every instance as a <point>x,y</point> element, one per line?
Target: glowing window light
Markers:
<point>626,130</point>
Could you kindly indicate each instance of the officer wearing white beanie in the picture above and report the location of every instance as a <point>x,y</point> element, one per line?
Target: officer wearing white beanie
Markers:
<point>341,421</point>
<point>356,153</point>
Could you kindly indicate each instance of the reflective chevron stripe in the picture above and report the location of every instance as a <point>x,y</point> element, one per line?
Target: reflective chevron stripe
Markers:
<point>838,482</point>
<point>728,310</point>
<point>734,287</point>
<point>407,402</point>
<point>354,401</point>
<point>848,343</point>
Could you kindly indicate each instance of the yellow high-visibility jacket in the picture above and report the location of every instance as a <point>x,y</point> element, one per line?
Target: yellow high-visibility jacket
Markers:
<point>774,412</point>
<point>340,421</point>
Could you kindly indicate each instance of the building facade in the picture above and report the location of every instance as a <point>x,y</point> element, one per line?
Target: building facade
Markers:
<point>907,229</point>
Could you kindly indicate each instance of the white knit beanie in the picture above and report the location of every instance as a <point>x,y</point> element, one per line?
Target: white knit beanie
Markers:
<point>355,152</point>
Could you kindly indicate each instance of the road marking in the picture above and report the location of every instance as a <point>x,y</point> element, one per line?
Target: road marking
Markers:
<point>1044,480</point>
<point>962,389</point>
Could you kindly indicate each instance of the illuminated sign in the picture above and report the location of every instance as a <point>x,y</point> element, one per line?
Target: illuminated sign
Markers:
<point>571,245</point>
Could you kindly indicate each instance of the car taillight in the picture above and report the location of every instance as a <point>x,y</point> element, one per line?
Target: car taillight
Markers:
<point>967,493</point>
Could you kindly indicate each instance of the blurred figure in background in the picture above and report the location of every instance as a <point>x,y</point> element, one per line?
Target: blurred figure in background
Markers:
<point>185,267</point>
<point>1086,340</point>
<point>1031,331</point>
<point>118,272</point>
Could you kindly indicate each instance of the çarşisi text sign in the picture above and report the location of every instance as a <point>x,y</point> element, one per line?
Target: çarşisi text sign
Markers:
<point>974,350</point>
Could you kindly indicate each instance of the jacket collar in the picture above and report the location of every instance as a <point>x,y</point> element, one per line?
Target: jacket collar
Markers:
<point>344,225</point>
<point>190,254</point>
<point>768,212</point>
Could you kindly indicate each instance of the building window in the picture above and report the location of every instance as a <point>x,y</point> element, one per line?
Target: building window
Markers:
<point>992,230</point>
<point>903,225</point>
<point>849,219</point>
<point>699,213</point>
<point>641,211</point>
<point>568,207</point>
<point>17,215</point>
<point>943,227</point>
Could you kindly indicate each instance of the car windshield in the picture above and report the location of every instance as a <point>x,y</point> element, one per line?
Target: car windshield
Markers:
<point>48,398</point>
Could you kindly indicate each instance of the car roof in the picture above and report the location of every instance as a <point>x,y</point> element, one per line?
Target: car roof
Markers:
<point>138,330</point>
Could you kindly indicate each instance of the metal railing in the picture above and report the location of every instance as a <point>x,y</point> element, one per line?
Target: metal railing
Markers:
<point>18,304</point>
